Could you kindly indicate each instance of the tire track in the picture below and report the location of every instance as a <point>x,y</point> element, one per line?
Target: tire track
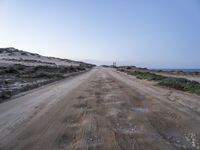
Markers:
<point>105,113</point>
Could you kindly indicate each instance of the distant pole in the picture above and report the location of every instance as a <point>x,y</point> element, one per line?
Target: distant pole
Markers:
<point>114,64</point>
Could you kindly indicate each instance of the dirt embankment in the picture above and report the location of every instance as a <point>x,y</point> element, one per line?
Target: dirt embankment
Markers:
<point>15,79</point>
<point>163,80</point>
<point>21,71</point>
<point>192,75</point>
<point>108,110</point>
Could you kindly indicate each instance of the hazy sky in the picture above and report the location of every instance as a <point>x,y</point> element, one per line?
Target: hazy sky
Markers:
<point>149,33</point>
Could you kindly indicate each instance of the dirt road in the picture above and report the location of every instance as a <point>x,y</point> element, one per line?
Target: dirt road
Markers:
<point>101,109</point>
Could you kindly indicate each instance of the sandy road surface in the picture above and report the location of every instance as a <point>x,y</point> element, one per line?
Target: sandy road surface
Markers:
<point>101,109</point>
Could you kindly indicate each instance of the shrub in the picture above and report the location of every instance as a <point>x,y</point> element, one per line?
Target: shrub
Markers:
<point>146,75</point>
<point>48,75</point>
<point>181,84</point>
<point>176,83</point>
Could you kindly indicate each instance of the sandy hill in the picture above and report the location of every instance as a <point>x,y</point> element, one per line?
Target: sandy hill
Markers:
<point>9,56</point>
<point>22,71</point>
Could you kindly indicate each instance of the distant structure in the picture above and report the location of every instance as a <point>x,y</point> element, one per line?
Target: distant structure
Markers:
<point>114,64</point>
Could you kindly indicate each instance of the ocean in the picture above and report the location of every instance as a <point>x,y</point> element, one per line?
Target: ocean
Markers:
<point>184,70</point>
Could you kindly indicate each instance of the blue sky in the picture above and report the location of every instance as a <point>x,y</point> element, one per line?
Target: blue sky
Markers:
<point>147,33</point>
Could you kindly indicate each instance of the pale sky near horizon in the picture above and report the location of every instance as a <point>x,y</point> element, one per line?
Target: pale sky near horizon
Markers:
<point>154,34</point>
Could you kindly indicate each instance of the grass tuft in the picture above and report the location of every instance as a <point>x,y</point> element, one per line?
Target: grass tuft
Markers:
<point>181,84</point>
<point>176,83</point>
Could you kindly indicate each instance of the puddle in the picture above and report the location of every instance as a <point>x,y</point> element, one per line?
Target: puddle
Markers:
<point>113,103</point>
<point>139,109</point>
<point>124,127</point>
<point>126,130</point>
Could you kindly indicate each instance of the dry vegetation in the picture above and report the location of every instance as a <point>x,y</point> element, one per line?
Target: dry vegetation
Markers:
<point>20,78</point>
<point>172,82</point>
<point>21,71</point>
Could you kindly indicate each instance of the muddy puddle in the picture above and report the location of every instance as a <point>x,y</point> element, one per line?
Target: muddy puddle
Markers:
<point>140,109</point>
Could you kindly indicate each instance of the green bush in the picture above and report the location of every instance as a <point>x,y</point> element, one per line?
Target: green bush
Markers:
<point>146,75</point>
<point>48,75</point>
<point>181,84</point>
<point>176,83</point>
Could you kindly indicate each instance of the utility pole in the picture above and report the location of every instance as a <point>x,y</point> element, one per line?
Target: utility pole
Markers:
<point>114,64</point>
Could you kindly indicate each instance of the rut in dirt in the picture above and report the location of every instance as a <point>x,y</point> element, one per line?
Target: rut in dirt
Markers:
<point>105,113</point>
